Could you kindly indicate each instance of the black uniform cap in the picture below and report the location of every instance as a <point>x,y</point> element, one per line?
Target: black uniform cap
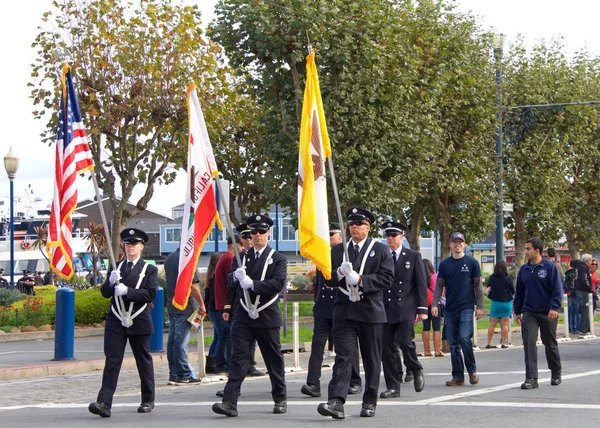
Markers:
<point>259,220</point>
<point>394,226</point>
<point>243,228</point>
<point>359,214</point>
<point>131,236</point>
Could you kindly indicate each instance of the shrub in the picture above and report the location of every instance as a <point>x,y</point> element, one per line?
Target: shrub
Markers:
<point>8,297</point>
<point>36,312</point>
<point>90,306</point>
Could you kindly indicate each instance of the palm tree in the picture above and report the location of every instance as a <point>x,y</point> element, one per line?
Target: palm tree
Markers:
<point>41,240</point>
<point>97,245</point>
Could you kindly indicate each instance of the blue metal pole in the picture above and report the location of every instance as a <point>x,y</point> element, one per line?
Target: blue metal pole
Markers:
<point>12,236</point>
<point>158,316</point>
<point>500,182</point>
<point>277,228</point>
<point>64,334</point>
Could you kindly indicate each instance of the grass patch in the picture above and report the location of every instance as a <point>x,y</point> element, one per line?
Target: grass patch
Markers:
<point>304,333</point>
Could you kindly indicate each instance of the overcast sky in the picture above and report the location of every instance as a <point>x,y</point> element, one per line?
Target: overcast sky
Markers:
<point>574,20</point>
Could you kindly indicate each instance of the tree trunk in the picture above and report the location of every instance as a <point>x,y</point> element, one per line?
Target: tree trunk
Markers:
<point>573,245</point>
<point>413,234</point>
<point>520,237</point>
<point>440,204</point>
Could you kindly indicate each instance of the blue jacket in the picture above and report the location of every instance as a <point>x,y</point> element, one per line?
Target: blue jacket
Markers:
<point>539,288</point>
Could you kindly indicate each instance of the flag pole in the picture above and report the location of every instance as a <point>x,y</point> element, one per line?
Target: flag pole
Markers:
<point>334,185</point>
<point>225,206</point>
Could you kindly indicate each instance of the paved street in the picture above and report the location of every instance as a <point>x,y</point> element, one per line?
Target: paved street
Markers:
<point>497,400</point>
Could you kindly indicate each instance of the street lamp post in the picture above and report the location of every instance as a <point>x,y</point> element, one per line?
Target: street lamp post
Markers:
<point>498,50</point>
<point>11,164</point>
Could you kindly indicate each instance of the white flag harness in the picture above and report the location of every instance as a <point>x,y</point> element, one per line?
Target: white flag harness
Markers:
<point>253,309</point>
<point>124,316</point>
<point>353,292</point>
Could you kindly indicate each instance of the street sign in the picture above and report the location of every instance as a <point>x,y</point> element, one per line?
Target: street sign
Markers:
<point>487,259</point>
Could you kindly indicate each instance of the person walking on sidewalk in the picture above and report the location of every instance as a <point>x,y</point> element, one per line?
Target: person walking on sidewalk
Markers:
<point>180,370</point>
<point>538,299</point>
<point>322,332</point>
<point>461,276</point>
<point>131,288</point>
<point>501,292</point>
<point>405,305</point>
<point>431,321</point>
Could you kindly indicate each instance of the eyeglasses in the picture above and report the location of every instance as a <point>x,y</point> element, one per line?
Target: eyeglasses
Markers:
<point>261,230</point>
<point>333,233</point>
<point>594,264</point>
<point>246,235</point>
<point>357,223</point>
<point>392,234</point>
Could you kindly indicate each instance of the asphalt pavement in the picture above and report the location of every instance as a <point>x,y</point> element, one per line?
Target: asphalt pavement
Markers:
<point>497,401</point>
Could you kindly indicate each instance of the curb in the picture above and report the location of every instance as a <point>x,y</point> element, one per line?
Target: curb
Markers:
<point>46,335</point>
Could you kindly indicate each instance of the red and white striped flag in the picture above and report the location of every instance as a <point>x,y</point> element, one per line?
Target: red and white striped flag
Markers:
<point>73,157</point>
<point>200,211</point>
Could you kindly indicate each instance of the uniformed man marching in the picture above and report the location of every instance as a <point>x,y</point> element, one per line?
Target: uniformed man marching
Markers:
<point>358,312</point>
<point>259,280</point>
<point>132,287</point>
<point>405,305</point>
<point>323,324</point>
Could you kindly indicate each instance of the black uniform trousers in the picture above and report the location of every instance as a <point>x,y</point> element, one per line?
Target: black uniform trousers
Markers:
<point>114,350</point>
<point>321,333</point>
<point>345,334</point>
<point>402,334</point>
<point>242,338</point>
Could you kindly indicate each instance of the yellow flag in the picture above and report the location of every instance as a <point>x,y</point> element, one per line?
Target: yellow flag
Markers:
<point>313,220</point>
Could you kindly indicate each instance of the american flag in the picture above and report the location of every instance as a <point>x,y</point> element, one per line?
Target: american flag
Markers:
<point>73,157</point>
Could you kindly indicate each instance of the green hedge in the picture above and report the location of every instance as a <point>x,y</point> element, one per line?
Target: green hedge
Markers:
<point>90,306</point>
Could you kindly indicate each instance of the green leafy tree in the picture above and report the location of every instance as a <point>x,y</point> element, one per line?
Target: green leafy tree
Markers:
<point>97,245</point>
<point>131,66</point>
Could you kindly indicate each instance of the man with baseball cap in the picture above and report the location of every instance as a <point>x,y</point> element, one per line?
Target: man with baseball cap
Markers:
<point>358,312</point>
<point>405,305</point>
<point>461,276</point>
<point>131,288</point>
<point>258,281</point>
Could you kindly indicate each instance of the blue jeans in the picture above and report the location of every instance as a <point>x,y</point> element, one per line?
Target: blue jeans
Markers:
<point>584,323</point>
<point>177,347</point>
<point>459,331</point>
<point>224,350</point>
<point>215,319</point>
<point>574,317</point>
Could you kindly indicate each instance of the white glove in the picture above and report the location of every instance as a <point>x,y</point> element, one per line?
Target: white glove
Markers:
<point>120,290</point>
<point>352,278</point>
<point>240,273</point>
<point>346,268</point>
<point>115,276</point>
<point>247,283</point>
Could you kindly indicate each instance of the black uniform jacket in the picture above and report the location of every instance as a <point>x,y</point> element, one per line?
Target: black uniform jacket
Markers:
<point>324,299</point>
<point>409,290</point>
<point>275,280</point>
<point>377,278</point>
<point>142,324</point>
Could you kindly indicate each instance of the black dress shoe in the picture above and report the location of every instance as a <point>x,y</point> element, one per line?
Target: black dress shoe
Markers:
<point>355,389</point>
<point>146,407</point>
<point>221,392</point>
<point>280,407</point>
<point>333,408</point>
<point>255,373</point>
<point>390,393</point>
<point>419,380</point>
<point>555,381</point>
<point>226,408</point>
<point>529,384</point>
<point>311,390</point>
<point>409,377</point>
<point>368,410</point>
<point>99,409</point>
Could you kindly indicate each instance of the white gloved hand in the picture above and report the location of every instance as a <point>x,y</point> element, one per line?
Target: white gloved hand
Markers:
<point>346,268</point>
<point>120,290</point>
<point>247,283</point>
<point>240,273</point>
<point>115,276</point>
<point>352,278</point>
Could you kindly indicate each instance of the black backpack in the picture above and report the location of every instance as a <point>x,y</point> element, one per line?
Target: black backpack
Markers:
<point>570,280</point>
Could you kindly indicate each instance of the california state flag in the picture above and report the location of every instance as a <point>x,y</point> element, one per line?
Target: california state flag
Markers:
<point>313,220</point>
<point>200,211</point>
